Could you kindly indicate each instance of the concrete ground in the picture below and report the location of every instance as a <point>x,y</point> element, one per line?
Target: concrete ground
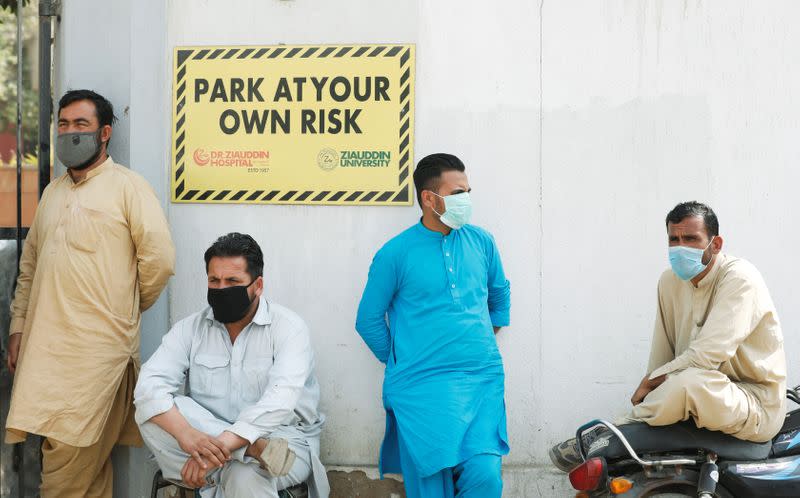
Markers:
<point>518,482</point>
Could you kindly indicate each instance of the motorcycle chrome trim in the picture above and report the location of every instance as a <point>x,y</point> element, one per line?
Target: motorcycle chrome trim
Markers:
<point>611,427</point>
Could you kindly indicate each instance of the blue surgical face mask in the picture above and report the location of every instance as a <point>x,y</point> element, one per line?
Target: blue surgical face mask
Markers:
<point>687,262</point>
<point>457,209</point>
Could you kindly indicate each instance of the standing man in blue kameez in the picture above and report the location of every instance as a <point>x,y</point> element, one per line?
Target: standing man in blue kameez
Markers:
<point>435,297</point>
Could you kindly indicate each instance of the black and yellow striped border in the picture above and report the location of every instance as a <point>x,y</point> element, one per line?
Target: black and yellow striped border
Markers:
<point>182,192</point>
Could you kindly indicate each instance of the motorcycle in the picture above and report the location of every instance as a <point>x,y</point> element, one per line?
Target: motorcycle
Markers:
<point>637,460</point>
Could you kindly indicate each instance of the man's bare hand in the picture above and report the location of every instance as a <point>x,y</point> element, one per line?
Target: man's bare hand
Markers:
<point>645,387</point>
<point>193,474</point>
<point>14,340</point>
<point>207,451</point>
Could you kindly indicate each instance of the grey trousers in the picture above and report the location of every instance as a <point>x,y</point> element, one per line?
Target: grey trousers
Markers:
<point>239,478</point>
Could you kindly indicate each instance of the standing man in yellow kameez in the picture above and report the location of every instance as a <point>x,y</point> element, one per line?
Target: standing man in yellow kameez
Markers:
<point>98,253</point>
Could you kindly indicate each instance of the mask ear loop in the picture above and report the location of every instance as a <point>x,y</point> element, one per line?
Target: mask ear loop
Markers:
<point>247,287</point>
<point>434,209</point>
<point>706,249</point>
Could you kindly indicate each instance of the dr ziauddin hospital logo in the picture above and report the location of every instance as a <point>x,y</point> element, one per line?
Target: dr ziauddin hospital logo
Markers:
<point>201,157</point>
<point>231,158</point>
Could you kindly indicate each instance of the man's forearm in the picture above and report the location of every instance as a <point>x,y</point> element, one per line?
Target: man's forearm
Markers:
<point>172,421</point>
<point>175,424</point>
<point>376,336</point>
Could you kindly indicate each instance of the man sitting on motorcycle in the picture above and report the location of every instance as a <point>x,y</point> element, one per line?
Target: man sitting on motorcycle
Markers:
<point>717,352</point>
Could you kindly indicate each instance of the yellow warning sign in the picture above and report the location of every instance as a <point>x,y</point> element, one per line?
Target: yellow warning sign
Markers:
<point>293,124</point>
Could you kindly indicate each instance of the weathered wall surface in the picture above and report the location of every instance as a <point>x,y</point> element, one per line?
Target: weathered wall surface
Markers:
<point>581,123</point>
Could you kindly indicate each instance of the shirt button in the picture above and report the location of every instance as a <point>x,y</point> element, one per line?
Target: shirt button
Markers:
<point>451,270</point>
<point>453,286</point>
<point>447,254</point>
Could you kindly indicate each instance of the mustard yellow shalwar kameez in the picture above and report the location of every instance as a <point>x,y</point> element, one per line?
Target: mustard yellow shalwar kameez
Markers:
<point>721,346</point>
<point>98,253</point>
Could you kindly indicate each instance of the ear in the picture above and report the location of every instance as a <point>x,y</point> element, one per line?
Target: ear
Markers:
<point>259,285</point>
<point>716,245</point>
<point>105,134</point>
<point>427,199</point>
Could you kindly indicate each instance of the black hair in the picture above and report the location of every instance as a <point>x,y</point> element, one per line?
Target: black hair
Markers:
<point>102,107</point>
<point>238,244</point>
<point>429,171</point>
<point>694,208</point>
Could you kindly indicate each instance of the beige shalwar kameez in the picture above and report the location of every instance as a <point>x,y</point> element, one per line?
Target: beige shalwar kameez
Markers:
<point>721,346</point>
<point>98,253</point>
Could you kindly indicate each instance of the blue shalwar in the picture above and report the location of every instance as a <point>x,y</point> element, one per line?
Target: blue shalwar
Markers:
<point>444,384</point>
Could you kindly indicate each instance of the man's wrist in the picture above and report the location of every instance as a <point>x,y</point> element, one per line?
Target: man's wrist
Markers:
<point>232,441</point>
<point>185,428</point>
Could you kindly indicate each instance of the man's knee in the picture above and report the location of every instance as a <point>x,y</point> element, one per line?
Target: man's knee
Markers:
<point>159,441</point>
<point>150,432</point>
<point>692,380</point>
<point>242,480</point>
<point>482,475</point>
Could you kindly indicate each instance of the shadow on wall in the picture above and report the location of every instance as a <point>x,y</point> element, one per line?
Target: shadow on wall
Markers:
<point>9,480</point>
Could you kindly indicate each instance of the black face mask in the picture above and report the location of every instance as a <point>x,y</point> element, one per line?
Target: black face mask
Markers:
<point>231,303</point>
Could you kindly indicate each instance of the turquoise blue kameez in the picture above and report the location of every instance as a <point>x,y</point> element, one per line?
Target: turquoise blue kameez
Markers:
<point>444,383</point>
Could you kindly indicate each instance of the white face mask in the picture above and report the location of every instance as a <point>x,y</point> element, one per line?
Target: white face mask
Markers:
<point>457,209</point>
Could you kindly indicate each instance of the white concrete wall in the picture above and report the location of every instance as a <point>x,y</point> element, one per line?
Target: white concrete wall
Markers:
<point>581,123</point>
<point>647,104</point>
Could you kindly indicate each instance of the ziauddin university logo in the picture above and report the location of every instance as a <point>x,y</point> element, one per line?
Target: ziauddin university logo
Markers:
<point>328,159</point>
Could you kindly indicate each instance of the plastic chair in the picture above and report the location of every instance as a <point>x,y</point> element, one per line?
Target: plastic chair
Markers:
<point>298,491</point>
<point>160,482</point>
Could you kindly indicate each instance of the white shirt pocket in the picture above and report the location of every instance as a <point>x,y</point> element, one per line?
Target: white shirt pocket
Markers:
<point>209,376</point>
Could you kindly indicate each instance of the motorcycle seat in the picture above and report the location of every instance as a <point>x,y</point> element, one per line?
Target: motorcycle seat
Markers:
<point>678,437</point>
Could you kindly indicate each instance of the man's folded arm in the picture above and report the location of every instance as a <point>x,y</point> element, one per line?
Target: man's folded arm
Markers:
<point>163,375</point>
<point>728,324</point>
<point>499,289</point>
<point>378,294</point>
<point>27,269</point>
<point>286,380</point>
<point>155,252</point>
<point>662,350</point>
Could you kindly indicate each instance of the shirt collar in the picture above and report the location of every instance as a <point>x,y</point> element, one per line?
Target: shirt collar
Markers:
<point>96,171</point>
<point>427,232</point>
<point>711,277</point>
<point>262,317</point>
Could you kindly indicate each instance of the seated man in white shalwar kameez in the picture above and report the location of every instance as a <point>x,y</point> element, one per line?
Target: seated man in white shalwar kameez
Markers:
<point>248,425</point>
